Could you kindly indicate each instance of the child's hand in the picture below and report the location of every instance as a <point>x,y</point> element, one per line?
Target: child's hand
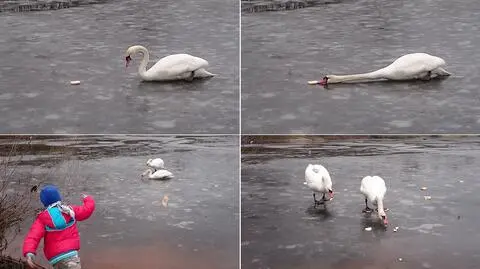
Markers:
<point>84,195</point>
<point>30,258</point>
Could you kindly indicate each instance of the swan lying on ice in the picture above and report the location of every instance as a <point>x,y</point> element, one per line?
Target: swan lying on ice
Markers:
<point>410,66</point>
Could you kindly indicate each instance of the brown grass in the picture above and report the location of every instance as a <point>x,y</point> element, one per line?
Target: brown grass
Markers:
<point>14,204</point>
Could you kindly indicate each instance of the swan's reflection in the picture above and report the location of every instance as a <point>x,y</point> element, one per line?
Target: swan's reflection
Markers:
<point>178,85</point>
<point>321,213</point>
<point>371,220</point>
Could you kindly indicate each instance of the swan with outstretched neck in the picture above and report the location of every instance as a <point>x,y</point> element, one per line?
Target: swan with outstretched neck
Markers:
<point>373,189</point>
<point>408,67</point>
<point>169,68</point>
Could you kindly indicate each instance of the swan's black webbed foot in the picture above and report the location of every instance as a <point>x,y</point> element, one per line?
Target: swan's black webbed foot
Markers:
<point>317,202</point>
<point>367,210</point>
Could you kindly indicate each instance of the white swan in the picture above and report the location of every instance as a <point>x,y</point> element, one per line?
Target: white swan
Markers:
<point>159,174</point>
<point>374,189</point>
<point>172,67</point>
<point>318,180</point>
<point>410,66</point>
<point>156,164</point>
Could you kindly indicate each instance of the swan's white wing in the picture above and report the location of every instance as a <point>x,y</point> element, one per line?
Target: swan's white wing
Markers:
<point>367,188</point>
<point>414,65</point>
<point>364,185</point>
<point>319,169</point>
<point>178,64</point>
<point>373,187</point>
<point>160,174</point>
<point>309,175</point>
<point>325,175</point>
<point>380,187</point>
<point>156,163</point>
<point>314,175</point>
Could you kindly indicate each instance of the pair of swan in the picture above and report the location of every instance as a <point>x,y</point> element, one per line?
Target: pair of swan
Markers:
<point>169,68</point>
<point>156,170</point>
<point>408,67</point>
<point>373,188</point>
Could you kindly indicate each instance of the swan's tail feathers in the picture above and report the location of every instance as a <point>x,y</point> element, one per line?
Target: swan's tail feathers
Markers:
<point>442,72</point>
<point>202,73</point>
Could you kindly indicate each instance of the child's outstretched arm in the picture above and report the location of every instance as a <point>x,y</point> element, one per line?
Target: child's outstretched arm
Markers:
<point>83,212</point>
<point>32,239</point>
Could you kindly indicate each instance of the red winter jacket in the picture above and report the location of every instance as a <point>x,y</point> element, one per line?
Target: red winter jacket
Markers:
<point>57,242</point>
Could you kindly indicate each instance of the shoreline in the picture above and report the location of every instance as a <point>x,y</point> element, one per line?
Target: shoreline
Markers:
<point>249,6</point>
<point>29,6</point>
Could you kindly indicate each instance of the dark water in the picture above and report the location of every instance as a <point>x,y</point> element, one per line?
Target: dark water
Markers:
<point>43,51</point>
<point>131,228</point>
<point>281,229</point>
<point>281,51</point>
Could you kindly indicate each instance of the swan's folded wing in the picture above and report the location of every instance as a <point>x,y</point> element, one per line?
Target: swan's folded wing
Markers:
<point>181,68</point>
<point>414,65</point>
<point>180,63</point>
<point>441,72</point>
<point>308,177</point>
<point>163,174</point>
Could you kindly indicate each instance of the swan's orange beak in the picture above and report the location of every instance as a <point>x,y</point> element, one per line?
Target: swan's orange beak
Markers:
<point>331,194</point>
<point>385,220</point>
<point>127,60</point>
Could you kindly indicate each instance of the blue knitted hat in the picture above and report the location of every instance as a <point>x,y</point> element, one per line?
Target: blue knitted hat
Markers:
<point>50,195</point>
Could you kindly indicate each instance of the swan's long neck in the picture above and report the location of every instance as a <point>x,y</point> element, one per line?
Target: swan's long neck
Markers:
<point>381,211</point>
<point>379,74</point>
<point>142,68</point>
<point>327,181</point>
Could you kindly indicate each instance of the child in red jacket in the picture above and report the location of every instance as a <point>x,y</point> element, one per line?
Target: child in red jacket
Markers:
<point>58,228</point>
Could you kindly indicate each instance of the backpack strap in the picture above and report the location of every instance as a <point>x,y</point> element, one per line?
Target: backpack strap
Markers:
<point>58,220</point>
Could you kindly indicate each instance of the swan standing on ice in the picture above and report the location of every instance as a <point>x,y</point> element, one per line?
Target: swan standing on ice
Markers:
<point>318,180</point>
<point>156,164</point>
<point>374,189</point>
<point>410,66</point>
<point>172,67</point>
<point>159,174</point>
